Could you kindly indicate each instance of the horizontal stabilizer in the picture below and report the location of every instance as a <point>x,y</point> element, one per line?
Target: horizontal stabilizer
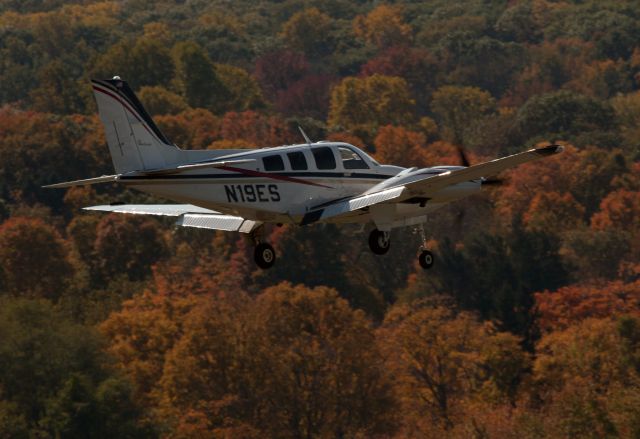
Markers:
<point>152,209</point>
<point>86,181</point>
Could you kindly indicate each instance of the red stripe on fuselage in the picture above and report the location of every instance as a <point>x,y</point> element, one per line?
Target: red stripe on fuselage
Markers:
<point>125,105</point>
<point>272,176</point>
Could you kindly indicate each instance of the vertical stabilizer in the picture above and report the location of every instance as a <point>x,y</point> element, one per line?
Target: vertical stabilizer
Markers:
<point>135,142</point>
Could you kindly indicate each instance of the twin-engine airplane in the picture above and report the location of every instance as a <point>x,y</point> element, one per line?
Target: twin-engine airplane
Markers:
<point>242,190</point>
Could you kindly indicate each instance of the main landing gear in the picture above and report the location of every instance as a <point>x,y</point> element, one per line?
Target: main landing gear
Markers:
<point>425,258</point>
<point>379,243</point>
<point>263,254</point>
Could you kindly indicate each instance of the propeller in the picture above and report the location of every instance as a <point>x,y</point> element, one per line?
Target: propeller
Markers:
<point>464,161</point>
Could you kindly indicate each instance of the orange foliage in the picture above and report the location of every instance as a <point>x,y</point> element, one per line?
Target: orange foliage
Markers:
<point>383,26</point>
<point>192,129</point>
<point>256,128</point>
<point>33,258</point>
<point>551,211</point>
<point>620,209</point>
<point>569,305</point>
<point>397,145</point>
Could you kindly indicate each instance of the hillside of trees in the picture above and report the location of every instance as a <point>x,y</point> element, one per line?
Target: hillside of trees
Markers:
<point>528,325</point>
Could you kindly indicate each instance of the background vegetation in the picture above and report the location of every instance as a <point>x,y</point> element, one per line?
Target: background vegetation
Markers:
<point>528,325</point>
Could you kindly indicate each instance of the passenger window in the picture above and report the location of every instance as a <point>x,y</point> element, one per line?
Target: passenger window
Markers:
<point>351,159</point>
<point>273,163</point>
<point>324,158</point>
<point>297,160</point>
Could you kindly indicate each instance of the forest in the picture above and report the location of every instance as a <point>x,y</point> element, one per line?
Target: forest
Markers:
<point>527,326</point>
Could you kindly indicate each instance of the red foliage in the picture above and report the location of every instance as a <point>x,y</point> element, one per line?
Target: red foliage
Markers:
<point>307,97</point>
<point>278,70</point>
<point>417,66</point>
<point>569,305</point>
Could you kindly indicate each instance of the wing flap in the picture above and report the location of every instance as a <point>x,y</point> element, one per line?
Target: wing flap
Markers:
<point>228,223</point>
<point>351,204</point>
<point>188,216</point>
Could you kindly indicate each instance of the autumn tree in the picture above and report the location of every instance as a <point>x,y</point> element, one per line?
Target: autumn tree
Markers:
<point>383,26</point>
<point>127,245</point>
<point>457,108</point>
<point>141,334</point>
<point>587,376</point>
<point>256,128</point>
<point>33,258</point>
<point>141,62</point>
<point>278,70</point>
<point>243,90</point>
<point>309,31</point>
<point>363,104</point>
<point>196,77</point>
<point>439,358</point>
<point>55,379</point>
<point>572,304</point>
<point>419,67</point>
<point>398,146</point>
<point>565,115</point>
<point>158,100</point>
<point>58,90</point>
<point>194,128</point>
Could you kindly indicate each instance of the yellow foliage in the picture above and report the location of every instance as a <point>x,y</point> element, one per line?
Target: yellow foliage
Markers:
<point>383,26</point>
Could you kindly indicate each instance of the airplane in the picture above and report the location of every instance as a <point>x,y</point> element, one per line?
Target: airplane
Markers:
<point>242,190</point>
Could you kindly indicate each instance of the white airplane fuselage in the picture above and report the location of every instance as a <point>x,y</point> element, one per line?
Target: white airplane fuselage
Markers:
<point>254,190</point>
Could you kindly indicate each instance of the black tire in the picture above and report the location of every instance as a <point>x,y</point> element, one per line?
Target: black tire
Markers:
<point>426,259</point>
<point>264,255</point>
<point>379,242</point>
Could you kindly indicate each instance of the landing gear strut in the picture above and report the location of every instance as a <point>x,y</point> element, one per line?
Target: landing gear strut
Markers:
<point>264,255</point>
<point>425,258</point>
<point>379,242</point>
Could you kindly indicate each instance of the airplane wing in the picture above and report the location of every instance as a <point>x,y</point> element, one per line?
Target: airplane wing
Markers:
<point>426,185</point>
<point>188,216</point>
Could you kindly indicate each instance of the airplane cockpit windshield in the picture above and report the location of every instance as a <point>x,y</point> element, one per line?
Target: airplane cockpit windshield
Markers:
<point>351,159</point>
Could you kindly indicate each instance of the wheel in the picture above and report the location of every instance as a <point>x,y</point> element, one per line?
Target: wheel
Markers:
<point>264,255</point>
<point>426,259</point>
<point>379,242</point>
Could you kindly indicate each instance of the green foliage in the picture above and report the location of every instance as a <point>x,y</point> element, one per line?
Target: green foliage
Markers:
<point>361,105</point>
<point>54,380</point>
<point>459,107</point>
<point>207,360</point>
<point>564,115</point>
<point>196,77</point>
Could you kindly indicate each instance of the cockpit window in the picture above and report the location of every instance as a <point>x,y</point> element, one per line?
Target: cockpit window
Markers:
<point>273,163</point>
<point>351,159</point>
<point>297,160</point>
<point>324,158</point>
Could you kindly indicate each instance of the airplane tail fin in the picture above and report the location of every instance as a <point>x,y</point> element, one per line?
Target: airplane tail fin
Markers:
<point>135,142</point>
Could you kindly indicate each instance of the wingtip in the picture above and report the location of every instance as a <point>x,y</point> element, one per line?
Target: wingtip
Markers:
<point>549,150</point>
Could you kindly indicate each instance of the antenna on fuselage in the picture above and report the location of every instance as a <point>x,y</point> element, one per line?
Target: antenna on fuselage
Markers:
<point>306,138</point>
